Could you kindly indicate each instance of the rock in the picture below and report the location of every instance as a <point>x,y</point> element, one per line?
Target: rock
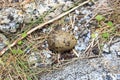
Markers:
<point>10,19</point>
<point>61,41</point>
<point>3,41</point>
<point>35,59</point>
<point>87,69</point>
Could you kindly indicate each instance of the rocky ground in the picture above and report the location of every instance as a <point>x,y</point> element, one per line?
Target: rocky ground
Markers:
<point>103,68</point>
<point>87,61</point>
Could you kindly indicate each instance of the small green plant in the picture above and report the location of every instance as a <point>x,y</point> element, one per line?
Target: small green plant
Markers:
<point>105,29</point>
<point>109,23</point>
<point>105,35</point>
<point>99,18</point>
<point>20,42</point>
<point>17,51</point>
<point>24,34</point>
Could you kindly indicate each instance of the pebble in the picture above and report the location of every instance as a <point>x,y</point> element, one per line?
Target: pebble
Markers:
<point>35,60</point>
<point>52,3</point>
<point>77,12</point>
<point>75,28</point>
<point>47,53</point>
<point>118,53</point>
<point>105,48</point>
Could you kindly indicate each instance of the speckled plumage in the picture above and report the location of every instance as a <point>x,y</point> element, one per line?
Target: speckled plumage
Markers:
<point>61,41</point>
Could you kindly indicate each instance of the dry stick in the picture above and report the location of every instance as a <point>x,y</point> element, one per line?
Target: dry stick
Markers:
<point>40,26</point>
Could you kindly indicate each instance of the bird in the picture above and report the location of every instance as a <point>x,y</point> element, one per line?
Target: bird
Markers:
<point>61,41</point>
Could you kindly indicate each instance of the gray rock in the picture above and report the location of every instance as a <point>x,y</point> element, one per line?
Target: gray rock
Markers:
<point>87,69</point>
<point>35,59</point>
<point>3,41</point>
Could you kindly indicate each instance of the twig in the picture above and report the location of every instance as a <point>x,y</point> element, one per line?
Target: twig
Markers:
<point>75,52</point>
<point>41,26</point>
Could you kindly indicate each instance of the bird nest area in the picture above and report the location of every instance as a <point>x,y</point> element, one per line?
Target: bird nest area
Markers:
<point>27,54</point>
